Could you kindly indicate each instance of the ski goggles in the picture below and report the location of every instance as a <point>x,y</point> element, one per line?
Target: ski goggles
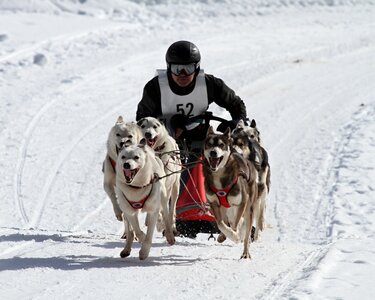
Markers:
<point>187,69</point>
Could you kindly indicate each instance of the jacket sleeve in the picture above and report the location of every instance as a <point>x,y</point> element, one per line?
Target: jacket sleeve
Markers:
<point>225,97</point>
<point>150,105</point>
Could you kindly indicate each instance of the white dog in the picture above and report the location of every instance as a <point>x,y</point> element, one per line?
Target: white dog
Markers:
<point>140,186</point>
<point>121,135</point>
<point>165,146</point>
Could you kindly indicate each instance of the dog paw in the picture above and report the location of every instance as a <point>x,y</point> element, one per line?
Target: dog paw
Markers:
<point>144,252</point>
<point>125,253</point>
<point>245,255</point>
<point>119,217</point>
<point>221,238</point>
<point>171,240</point>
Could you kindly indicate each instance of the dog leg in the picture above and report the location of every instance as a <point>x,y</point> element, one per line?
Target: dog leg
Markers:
<point>173,203</point>
<point>134,222</point>
<point>168,226</point>
<point>248,223</point>
<point>109,187</point>
<point>126,225</point>
<point>146,244</point>
<point>129,242</point>
<point>224,228</point>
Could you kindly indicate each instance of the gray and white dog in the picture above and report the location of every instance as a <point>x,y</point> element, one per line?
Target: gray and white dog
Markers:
<point>231,188</point>
<point>247,142</point>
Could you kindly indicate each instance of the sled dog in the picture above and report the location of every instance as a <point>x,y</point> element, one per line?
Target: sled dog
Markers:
<point>165,146</point>
<point>246,141</point>
<point>231,190</point>
<point>140,187</point>
<point>121,135</point>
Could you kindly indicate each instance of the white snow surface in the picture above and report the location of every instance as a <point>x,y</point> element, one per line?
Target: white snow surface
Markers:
<point>305,70</point>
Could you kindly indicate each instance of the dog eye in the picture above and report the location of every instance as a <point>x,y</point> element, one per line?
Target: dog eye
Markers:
<point>221,145</point>
<point>155,126</point>
<point>123,157</point>
<point>136,157</point>
<point>143,126</point>
<point>117,134</point>
<point>130,136</point>
<point>252,136</point>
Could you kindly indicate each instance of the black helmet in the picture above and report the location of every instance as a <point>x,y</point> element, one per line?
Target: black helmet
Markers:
<point>183,52</point>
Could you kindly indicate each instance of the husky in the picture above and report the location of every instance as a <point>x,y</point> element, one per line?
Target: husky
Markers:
<point>165,146</point>
<point>121,135</point>
<point>246,141</point>
<point>231,188</point>
<point>140,186</point>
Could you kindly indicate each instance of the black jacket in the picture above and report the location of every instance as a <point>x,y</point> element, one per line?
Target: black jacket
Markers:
<point>217,91</point>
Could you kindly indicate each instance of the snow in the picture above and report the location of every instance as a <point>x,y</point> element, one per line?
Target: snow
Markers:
<point>305,71</point>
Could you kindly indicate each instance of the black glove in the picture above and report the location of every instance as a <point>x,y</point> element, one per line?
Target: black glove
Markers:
<point>224,125</point>
<point>179,121</point>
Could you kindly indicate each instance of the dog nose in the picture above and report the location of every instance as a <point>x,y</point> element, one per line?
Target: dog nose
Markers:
<point>213,154</point>
<point>126,166</point>
<point>148,135</point>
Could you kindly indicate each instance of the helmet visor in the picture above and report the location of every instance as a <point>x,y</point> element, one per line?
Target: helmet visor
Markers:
<point>187,69</point>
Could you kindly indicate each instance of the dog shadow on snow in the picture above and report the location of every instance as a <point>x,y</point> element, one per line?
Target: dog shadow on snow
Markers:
<point>78,262</point>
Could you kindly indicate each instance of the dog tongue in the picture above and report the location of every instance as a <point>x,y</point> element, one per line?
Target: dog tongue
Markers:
<point>129,174</point>
<point>151,142</point>
<point>214,162</point>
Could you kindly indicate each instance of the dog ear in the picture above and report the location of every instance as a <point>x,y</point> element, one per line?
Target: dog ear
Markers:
<point>253,123</point>
<point>227,133</point>
<point>120,120</point>
<point>140,121</point>
<point>210,130</point>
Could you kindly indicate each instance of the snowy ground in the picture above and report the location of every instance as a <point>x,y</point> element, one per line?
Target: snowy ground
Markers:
<point>306,72</point>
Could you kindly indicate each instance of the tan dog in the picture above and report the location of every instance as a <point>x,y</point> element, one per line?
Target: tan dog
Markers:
<point>165,146</point>
<point>121,135</point>
<point>230,184</point>
<point>140,187</point>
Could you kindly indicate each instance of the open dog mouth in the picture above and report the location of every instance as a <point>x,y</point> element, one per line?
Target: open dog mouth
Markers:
<point>215,162</point>
<point>151,142</point>
<point>130,174</point>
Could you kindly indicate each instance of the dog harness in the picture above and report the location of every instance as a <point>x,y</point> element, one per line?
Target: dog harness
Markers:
<point>113,163</point>
<point>140,203</point>
<point>222,194</point>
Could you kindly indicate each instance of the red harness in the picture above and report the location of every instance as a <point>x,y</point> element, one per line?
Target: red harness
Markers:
<point>113,163</point>
<point>140,203</point>
<point>222,194</point>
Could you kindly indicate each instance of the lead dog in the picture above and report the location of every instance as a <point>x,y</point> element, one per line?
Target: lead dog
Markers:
<point>246,141</point>
<point>165,146</point>
<point>121,135</point>
<point>230,184</point>
<point>140,187</point>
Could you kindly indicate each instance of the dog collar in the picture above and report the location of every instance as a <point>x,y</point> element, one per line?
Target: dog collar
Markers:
<point>159,148</point>
<point>222,194</point>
